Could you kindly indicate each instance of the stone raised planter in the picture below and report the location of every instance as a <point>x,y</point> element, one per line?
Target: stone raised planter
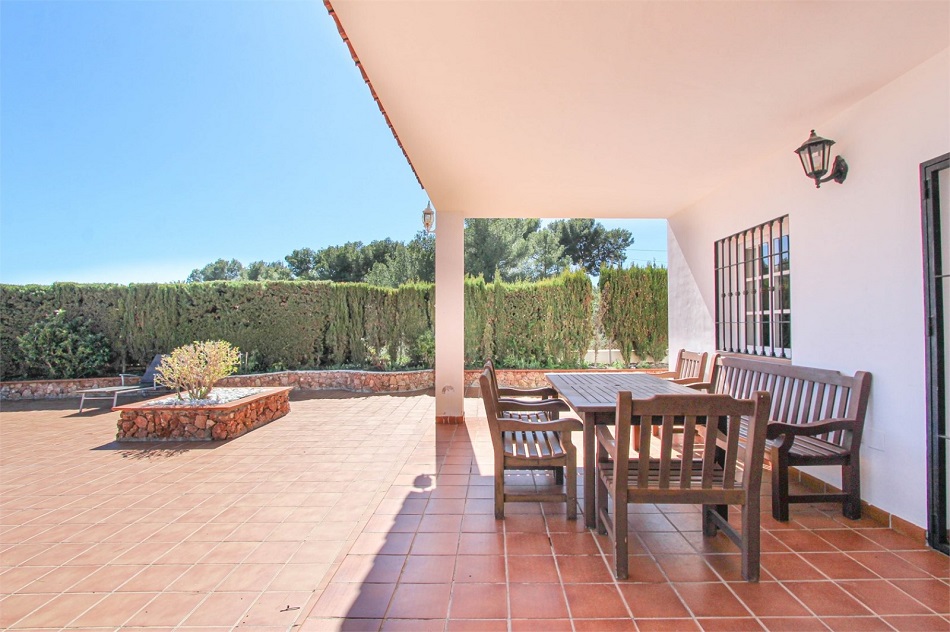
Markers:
<point>145,421</point>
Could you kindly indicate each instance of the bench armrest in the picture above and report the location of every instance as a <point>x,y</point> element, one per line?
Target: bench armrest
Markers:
<point>543,392</point>
<point>565,424</point>
<point>705,387</point>
<point>778,429</point>
<point>666,374</point>
<point>686,381</point>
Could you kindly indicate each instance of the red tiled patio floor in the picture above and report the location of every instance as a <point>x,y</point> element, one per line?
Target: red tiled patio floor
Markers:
<point>358,513</point>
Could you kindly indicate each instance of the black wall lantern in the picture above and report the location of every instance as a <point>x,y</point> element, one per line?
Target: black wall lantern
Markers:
<point>814,154</point>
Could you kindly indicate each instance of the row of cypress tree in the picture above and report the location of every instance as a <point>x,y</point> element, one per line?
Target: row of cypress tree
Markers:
<point>318,324</point>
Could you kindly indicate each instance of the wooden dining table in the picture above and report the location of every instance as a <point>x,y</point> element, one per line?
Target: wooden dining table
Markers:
<point>593,396</point>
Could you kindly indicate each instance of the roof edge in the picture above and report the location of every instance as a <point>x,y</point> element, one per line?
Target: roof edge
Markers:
<point>369,84</point>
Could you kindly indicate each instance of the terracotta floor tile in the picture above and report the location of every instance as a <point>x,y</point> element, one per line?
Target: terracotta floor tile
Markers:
<point>59,579</point>
<point>15,607</point>
<point>826,599</point>
<point>382,544</point>
<point>352,600</point>
<point>413,625</point>
<point>524,524</point>
<point>856,624</point>
<point>541,625</point>
<point>653,601</point>
<point>793,624</point>
<point>604,625</point>
<point>203,578</point>
<point>272,553</point>
<point>838,566</point>
<point>888,565</point>
<point>374,569</point>
<point>667,625</point>
<point>479,601</point>
<point>482,524</point>
<point>730,624</point>
<point>528,544</point>
<point>439,523</point>
<point>113,610</point>
<point>420,601</point>
<point>686,568</point>
<point>221,608</point>
<point>931,592</point>
<point>532,568</point>
<point>849,539</point>
<point>249,577</point>
<point>710,600</point>
<point>801,541</point>
<point>931,561</point>
<point>882,597</point>
<point>278,609</point>
<point>768,599</point>
<point>574,544</point>
<point>154,578</point>
<point>595,600</point>
<point>893,540</point>
<point>428,569</point>
<point>584,569</point>
<point>477,625</point>
<point>486,569</point>
<point>59,611</point>
<point>482,544</point>
<point>537,601</point>
<point>925,623</point>
<point>435,544</point>
<point>666,543</point>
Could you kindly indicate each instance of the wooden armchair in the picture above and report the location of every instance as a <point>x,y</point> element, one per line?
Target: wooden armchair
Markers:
<point>706,471</point>
<point>511,399</point>
<point>521,444</point>
<point>690,367</point>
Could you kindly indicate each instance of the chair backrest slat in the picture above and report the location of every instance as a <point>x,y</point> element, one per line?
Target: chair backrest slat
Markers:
<point>710,450</point>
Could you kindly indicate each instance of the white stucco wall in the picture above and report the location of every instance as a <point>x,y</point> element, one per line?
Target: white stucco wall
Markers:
<point>856,267</point>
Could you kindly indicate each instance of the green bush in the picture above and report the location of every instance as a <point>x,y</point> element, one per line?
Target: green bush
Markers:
<point>60,347</point>
<point>196,367</point>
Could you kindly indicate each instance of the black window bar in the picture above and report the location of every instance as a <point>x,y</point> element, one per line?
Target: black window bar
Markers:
<point>753,291</point>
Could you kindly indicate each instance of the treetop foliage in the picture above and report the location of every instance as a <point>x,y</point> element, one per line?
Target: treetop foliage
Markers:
<point>514,249</point>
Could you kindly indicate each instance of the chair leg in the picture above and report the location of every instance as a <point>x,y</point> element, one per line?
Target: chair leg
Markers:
<point>750,541</point>
<point>851,485</point>
<point>571,482</point>
<point>710,528</point>
<point>499,490</point>
<point>621,546</point>
<point>779,486</point>
<point>559,476</point>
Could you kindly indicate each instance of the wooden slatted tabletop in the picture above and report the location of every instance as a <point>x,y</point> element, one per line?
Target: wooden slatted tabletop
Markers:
<point>594,397</point>
<point>597,392</point>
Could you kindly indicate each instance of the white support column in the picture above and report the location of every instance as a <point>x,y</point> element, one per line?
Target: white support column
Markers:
<point>449,317</point>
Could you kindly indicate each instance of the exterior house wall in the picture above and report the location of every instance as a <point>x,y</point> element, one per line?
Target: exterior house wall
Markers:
<point>856,267</point>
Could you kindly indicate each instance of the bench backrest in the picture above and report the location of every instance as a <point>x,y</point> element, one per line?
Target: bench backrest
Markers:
<point>800,394</point>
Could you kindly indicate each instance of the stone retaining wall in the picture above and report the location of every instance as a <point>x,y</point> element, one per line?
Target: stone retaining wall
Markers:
<point>142,422</point>
<point>355,381</point>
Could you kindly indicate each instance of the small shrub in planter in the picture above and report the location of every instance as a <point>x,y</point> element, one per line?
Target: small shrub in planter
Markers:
<point>196,367</point>
<point>58,347</point>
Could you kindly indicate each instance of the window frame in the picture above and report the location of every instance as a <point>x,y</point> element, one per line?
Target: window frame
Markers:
<point>752,274</point>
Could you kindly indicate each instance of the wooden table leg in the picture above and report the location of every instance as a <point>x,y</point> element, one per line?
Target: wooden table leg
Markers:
<point>590,513</point>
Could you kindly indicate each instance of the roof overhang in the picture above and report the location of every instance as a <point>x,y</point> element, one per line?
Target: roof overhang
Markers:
<point>619,109</point>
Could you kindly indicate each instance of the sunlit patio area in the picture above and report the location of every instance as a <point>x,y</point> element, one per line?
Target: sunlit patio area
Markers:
<point>357,513</point>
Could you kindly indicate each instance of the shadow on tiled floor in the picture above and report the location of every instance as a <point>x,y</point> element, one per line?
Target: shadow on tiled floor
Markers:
<point>358,513</point>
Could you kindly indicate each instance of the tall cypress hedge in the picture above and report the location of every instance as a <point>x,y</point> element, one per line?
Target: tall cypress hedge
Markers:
<point>309,324</point>
<point>634,310</point>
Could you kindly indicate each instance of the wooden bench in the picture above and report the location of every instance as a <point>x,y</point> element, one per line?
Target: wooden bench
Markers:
<point>817,417</point>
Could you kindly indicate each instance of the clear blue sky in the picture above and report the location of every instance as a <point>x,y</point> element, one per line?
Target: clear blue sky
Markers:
<point>140,140</point>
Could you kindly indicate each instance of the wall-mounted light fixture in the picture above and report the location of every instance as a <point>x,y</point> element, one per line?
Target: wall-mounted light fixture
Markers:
<point>428,218</point>
<point>814,154</point>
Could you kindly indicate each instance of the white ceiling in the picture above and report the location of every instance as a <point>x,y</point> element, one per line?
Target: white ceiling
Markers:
<point>620,109</point>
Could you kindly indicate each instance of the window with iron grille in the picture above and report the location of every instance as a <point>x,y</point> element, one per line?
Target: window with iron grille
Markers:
<point>753,291</point>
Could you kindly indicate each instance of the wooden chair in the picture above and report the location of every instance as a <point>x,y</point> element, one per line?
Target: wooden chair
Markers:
<point>714,379</point>
<point>690,367</point>
<point>704,472</point>
<point>521,444</point>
